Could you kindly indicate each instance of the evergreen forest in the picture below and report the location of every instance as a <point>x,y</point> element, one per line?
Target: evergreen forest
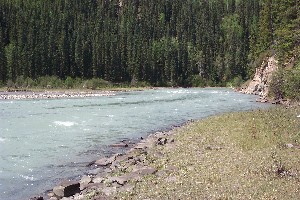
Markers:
<point>156,42</point>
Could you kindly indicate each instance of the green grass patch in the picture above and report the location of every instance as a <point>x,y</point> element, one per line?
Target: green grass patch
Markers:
<point>231,156</point>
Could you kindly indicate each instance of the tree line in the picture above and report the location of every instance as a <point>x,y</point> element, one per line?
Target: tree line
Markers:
<point>162,43</point>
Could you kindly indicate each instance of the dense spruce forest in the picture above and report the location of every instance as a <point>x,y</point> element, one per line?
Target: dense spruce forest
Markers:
<point>159,43</point>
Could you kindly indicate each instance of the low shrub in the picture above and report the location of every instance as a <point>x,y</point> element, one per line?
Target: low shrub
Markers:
<point>95,83</point>
<point>286,84</point>
<point>50,82</point>
<point>69,82</point>
<point>198,81</point>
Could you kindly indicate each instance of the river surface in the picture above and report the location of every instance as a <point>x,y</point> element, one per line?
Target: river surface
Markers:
<point>43,141</point>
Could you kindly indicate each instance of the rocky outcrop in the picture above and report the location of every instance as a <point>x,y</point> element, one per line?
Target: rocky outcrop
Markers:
<point>259,85</point>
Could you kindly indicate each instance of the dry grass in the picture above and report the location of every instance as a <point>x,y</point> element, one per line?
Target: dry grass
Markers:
<point>232,156</point>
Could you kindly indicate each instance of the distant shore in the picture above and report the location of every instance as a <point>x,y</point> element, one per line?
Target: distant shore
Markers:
<point>15,95</point>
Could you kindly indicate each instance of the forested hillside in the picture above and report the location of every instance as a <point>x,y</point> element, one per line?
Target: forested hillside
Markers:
<point>162,43</point>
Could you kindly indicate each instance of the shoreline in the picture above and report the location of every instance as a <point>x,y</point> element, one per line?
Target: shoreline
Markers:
<point>159,141</point>
<point>156,160</point>
<point>21,95</point>
<point>68,93</point>
<point>101,173</point>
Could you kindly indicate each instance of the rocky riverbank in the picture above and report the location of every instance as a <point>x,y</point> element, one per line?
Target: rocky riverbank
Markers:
<point>17,95</point>
<point>117,173</point>
<point>252,155</point>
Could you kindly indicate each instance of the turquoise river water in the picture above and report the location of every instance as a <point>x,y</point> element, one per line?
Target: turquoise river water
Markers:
<point>44,141</point>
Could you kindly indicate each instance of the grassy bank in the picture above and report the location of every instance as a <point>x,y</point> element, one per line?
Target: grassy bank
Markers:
<point>245,155</point>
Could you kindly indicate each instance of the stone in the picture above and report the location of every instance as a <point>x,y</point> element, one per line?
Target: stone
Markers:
<point>95,171</point>
<point>162,141</point>
<point>36,198</point>
<point>109,190</point>
<point>146,171</point>
<point>50,194</point>
<point>120,145</point>
<point>53,198</point>
<point>105,161</point>
<point>129,163</point>
<point>293,146</point>
<point>79,197</point>
<point>85,180</point>
<point>93,186</point>
<point>67,189</point>
<point>91,163</point>
<point>137,167</point>
<point>115,165</point>
<point>98,179</point>
<point>141,145</point>
<point>125,178</point>
<point>67,198</point>
<point>121,158</point>
<point>120,179</point>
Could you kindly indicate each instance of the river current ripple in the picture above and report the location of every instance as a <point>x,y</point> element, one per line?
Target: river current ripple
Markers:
<point>43,141</point>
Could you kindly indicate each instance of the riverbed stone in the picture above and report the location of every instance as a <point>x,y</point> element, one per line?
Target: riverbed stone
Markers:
<point>95,171</point>
<point>67,189</point>
<point>98,179</point>
<point>36,198</point>
<point>119,145</point>
<point>146,171</point>
<point>104,161</point>
<point>93,186</point>
<point>85,180</point>
<point>162,141</point>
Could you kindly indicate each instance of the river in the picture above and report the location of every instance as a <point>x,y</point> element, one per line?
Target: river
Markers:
<point>43,141</point>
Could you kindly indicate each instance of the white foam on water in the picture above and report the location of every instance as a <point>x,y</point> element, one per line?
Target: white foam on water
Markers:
<point>27,177</point>
<point>215,92</point>
<point>2,139</point>
<point>66,123</point>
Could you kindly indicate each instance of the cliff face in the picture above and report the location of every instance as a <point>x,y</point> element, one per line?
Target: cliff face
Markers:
<point>259,85</point>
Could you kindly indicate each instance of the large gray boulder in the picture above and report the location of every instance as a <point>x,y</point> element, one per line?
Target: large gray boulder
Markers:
<point>66,189</point>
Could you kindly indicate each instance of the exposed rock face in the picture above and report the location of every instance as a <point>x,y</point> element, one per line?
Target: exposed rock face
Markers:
<point>262,78</point>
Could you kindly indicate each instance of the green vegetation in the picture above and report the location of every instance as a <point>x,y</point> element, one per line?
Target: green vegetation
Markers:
<point>279,34</point>
<point>286,84</point>
<point>249,155</point>
<point>158,43</point>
